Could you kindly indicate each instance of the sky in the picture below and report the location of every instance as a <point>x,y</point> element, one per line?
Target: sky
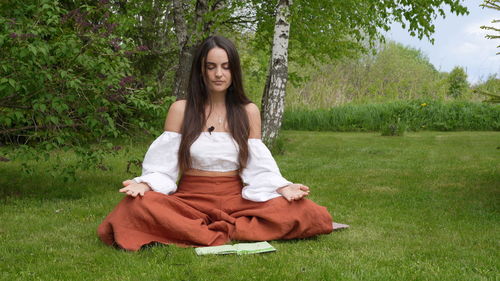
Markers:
<point>458,41</point>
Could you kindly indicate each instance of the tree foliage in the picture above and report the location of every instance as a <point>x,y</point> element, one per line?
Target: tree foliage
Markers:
<point>489,89</point>
<point>149,25</point>
<point>457,82</point>
<point>399,72</point>
<point>67,78</point>
<point>394,72</point>
<point>80,72</point>
<point>322,30</point>
<point>495,5</point>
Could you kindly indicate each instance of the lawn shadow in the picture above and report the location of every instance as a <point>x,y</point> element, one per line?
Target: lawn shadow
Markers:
<point>155,245</point>
<point>15,184</point>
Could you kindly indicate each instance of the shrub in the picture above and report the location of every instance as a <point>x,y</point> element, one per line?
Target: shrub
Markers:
<point>457,82</point>
<point>66,80</point>
<point>393,129</point>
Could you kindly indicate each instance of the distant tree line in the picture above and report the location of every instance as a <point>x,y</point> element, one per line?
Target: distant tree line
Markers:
<point>393,72</point>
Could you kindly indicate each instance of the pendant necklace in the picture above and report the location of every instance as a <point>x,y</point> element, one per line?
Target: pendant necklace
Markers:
<point>220,120</point>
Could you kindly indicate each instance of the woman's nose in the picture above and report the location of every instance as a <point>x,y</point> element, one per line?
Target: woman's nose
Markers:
<point>218,73</point>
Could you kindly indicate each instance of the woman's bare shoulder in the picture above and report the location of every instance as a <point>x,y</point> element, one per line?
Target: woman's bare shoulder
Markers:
<point>253,113</point>
<point>175,116</point>
<point>252,109</point>
<point>178,106</point>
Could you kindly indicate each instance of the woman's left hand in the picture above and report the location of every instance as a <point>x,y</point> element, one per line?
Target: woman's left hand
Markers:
<point>294,191</point>
<point>134,189</point>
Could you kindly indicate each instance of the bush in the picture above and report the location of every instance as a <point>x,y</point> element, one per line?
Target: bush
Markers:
<point>393,129</point>
<point>67,80</point>
<point>457,82</point>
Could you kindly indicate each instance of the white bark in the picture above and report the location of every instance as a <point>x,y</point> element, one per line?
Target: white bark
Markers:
<point>273,99</point>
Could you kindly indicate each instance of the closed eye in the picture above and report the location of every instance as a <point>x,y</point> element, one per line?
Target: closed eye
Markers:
<point>211,65</point>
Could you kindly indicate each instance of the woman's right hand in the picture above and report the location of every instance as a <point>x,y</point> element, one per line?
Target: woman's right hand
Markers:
<point>294,191</point>
<point>133,189</point>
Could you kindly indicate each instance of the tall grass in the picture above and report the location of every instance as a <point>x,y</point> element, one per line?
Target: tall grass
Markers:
<point>414,115</point>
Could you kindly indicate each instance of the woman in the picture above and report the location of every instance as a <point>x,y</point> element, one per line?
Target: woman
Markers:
<point>230,185</point>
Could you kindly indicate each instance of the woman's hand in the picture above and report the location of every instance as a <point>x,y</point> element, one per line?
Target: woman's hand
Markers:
<point>133,189</point>
<point>294,191</point>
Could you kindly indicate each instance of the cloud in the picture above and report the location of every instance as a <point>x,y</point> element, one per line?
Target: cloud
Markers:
<point>473,41</point>
<point>460,41</point>
<point>474,28</point>
<point>467,48</point>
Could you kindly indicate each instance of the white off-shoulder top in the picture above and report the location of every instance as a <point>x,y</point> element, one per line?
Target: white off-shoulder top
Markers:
<point>216,151</point>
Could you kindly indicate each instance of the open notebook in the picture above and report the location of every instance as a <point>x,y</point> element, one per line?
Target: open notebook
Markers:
<point>240,249</point>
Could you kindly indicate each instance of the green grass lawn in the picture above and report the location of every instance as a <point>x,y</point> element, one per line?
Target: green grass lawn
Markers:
<point>421,207</point>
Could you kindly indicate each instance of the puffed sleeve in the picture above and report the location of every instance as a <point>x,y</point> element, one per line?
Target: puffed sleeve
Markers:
<point>261,175</point>
<point>160,167</point>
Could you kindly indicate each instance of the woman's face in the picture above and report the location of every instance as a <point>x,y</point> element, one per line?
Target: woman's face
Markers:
<point>217,75</point>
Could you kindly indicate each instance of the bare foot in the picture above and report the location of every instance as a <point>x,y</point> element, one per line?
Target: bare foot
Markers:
<point>339,226</point>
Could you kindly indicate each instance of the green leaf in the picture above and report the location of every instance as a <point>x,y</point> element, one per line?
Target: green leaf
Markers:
<point>49,146</point>
<point>32,49</point>
<point>12,82</point>
<point>53,119</point>
<point>59,140</point>
<point>7,121</point>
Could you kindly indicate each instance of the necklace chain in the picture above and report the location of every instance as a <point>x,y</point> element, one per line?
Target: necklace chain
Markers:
<point>219,120</point>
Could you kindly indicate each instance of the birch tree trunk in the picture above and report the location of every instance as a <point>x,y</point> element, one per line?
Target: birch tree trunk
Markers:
<point>273,99</point>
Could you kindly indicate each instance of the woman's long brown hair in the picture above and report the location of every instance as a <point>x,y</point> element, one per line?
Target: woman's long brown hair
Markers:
<point>197,98</point>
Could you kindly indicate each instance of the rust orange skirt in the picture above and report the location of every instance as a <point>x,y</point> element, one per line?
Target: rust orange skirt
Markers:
<point>209,211</point>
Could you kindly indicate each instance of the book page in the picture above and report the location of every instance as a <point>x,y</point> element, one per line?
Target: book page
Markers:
<point>216,250</point>
<point>252,248</point>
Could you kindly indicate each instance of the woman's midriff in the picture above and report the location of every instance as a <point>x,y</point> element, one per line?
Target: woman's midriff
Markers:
<point>195,172</point>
